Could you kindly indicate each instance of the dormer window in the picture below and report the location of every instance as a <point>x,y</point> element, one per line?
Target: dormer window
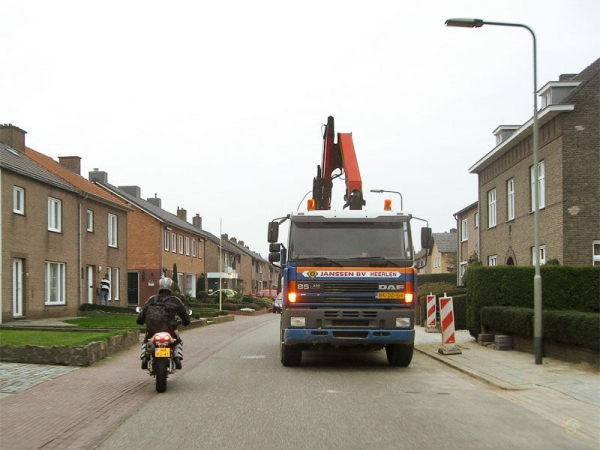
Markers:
<point>555,92</point>
<point>503,132</point>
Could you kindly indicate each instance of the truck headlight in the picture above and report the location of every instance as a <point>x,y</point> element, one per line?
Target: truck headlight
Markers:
<point>297,321</point>
<point>403,322</point>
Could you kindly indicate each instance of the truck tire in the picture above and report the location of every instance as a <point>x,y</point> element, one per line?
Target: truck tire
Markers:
<point>291,355</point>
<point>399,355</point>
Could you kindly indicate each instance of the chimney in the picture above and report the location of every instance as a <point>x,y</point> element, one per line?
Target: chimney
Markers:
<point>98,176</point>
<point>241,243</point>
<point>182,214</point>
<point>224,237</point>
<point>134,191</point>
<point>13,136</point>
<point>234,240</point>
<point>197,221</point>
<point>73,163</point>
<point>155,201</point>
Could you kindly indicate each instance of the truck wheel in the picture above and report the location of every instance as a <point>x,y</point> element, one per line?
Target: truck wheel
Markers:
<point>291,355</point>
<point>399,355</point>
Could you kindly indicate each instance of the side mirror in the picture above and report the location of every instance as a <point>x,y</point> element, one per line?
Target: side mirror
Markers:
<point>273,232</point>
<point>138,309</point>
<point>426,238</point>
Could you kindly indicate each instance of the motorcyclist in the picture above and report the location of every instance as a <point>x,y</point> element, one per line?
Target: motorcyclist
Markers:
<point>173,307</point>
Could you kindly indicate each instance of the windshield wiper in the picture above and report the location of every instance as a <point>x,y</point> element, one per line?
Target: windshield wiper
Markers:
<point>321,260</point>
<point>376,261</point>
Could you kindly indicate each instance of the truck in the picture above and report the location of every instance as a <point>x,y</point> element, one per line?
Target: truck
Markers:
<point>348,276</point>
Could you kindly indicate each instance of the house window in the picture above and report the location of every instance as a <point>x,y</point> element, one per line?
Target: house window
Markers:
<point>167,239</point>
<point>180,281</point>
<point>476,220</point>
<point>90,221</point>
<point>596,253</point>
<point>54,214</point>
<point>492,208</point>
<point>541,185</point>
<point>464,229</point>
<point>55,283</point>
<point>112,230</point>
<point>190,285</point>
<point>114,283</point>
<point>181,245</point>
<point>194,247</point>
<point>187,246</point>
<point>510,199</point>
<point>493,260</point>
<point>542,255</point>
<point>18,200</point>
<point>173,242</point>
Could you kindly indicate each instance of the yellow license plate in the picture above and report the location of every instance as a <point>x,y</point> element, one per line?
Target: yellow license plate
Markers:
<point>161,352</point>
<point>392,295</point>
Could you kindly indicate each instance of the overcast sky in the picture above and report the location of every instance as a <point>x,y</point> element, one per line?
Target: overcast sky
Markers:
<point>216,107</point>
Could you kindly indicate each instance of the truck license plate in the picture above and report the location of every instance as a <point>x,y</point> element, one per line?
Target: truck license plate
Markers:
<point>391,295</point>
<point>161,352</point>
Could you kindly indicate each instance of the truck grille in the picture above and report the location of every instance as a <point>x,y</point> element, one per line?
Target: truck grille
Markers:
<point>339,287</point>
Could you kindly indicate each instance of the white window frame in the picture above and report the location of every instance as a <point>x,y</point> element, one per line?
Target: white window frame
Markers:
<point>18,200</point>
<point>463,267</point>
<point>114,283</point>
<point>90,221</point>
<point>181,245</point>
<point>492,260</point>
<point>174,242</point>
<point>464,230</point>
<point>167,239</point>
<point>113,230</point>
<point>55,283</point>
<point>194,248</point>
<point>596,253</point>
<point>190,285</point>
<point>492,218</point>
<point>54,214</point>
<point>187,246</point>
<point>510,199</point>
<point>476,225</point>
<point>180,281</point>
<point>542,255</point>
<point>541,185</point>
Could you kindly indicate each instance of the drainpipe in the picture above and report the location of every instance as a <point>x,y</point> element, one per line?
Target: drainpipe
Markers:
<point>1,259</point>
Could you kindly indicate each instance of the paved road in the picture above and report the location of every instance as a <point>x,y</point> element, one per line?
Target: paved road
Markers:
<point>243,398</point>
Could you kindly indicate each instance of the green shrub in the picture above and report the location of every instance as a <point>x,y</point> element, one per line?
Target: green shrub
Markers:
<point>449,278</point>
<point>91,307</point>
<point>565,327</point>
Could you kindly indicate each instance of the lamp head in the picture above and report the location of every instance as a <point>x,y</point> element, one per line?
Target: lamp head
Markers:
<point>464,23</point>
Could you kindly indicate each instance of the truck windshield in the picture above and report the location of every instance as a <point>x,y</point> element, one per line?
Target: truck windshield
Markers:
<point>358,243</point>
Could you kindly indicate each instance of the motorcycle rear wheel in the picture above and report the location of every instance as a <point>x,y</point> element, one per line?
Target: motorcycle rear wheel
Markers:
<point>160,370</point>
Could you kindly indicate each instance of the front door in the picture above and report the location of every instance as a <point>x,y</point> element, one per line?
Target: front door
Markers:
<point>17,287</point>
<point>90,284</point>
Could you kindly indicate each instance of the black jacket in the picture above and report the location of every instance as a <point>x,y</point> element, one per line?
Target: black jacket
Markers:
<point>174,307</point>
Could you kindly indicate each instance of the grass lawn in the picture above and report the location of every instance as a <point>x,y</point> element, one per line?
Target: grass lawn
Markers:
<point>47,338</point>
<point>106,321</point>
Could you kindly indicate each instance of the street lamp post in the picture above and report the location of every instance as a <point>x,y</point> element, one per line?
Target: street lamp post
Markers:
<point>381,191</point>
<point>537,279</point>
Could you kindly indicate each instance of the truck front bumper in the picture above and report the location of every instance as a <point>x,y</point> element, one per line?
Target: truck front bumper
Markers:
<point>347,337</point>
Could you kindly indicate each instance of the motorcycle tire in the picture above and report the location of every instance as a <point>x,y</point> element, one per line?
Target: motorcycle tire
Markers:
<point>160,369</point>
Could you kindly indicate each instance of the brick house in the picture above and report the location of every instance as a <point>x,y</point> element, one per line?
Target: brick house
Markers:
<point>259,272</point>
<point>442,256</point>
<point>61,235</point>
<point>157,241</point>
<point>467,225</point>
<point>227,274</point>
<point>569,180</point>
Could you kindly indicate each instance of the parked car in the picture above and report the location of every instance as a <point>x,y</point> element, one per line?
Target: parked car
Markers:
<point>226,293</point>
<point>268,293</point>
<point>277,304</point>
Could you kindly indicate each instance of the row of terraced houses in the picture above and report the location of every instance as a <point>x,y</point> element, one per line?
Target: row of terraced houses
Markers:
<point>62,233</point>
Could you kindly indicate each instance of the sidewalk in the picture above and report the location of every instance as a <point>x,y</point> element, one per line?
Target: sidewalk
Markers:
<point>566,393</point>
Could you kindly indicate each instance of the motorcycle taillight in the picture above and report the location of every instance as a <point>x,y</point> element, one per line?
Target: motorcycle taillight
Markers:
<point>162,337</point>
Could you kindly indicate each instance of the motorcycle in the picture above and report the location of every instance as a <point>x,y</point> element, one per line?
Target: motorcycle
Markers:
<point>161,356</point>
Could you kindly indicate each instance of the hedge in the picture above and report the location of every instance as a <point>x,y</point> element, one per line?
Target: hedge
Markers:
<point>564,288</point>
<point>565,327</point>
<point>437,278</point>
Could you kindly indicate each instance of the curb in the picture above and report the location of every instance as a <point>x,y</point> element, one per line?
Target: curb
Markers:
<point>504,385</point>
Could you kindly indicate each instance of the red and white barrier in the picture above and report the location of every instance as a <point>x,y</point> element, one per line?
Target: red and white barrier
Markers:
<point>431,310</point>
<point>447,319</point>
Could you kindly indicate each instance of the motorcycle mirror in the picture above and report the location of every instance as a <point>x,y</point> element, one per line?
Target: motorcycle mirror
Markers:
<point>137,309</point>
<point>189,312</point>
